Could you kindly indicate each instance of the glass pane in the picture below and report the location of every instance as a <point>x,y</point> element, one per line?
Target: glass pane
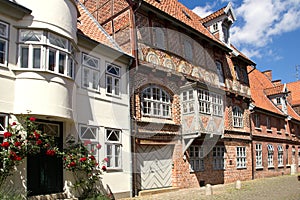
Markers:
<point>36,57</point>
<point>117,86</point>
<point>85,78</point>
<point>3,30</point>
<point>2,51</point>
<point>29,35</point>
<point>113,70</point>
<point>24,57</point>
<point>109,84</point>
<point>112,135</point>
<point>70,67</point>
<point>58,41</point>
<point>62,63</point>
<point>90,61</point>
<point>2,123</point>
<point>88,133</point>
<point>51,63</point>
<point>95,80</point>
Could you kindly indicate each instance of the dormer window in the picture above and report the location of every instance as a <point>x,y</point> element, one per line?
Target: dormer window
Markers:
<point>278,101</point>
<point>215,26</point>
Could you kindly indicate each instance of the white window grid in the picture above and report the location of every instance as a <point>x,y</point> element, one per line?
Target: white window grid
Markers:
<point>113,79</point>
<point>113,150</point>
<point>270,155</point>
<point>89,136</point>
<point>46,51</point>
<point>210,103</point>
<point>156,102</point>
<point>4,36</point>
<point>188,102</point>
<point>220,72</point>
<point>3,123</point>
<point>280,155</point>
<point>241,159</point>
<point>90,72</point>
<point>196,154</point>
<point>258,149</point>
<point>237,115</point>
<point>219,158</point>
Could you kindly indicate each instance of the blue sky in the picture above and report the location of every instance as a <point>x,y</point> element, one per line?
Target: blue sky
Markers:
<point>267,31</point>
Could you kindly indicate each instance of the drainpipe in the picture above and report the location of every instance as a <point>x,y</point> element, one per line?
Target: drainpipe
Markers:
<point>251,109</point>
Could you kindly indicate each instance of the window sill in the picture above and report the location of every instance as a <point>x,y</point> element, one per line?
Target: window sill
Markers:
<point>157,120</point>
<point>269,130</point>
<point>241,168</point>
<point>259,168</point>
<point>280,166</point>
<point>40,70</point>
<point>288,166</point>
<point>286,133</point>
<point>258,129</point>
<point>279,132</point>
<point>271,167</point>
<point>114,96</point>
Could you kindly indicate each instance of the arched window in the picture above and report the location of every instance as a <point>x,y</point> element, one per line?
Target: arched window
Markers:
<point>237,114</point>
<point>220,72</point>
<point>156,102</point>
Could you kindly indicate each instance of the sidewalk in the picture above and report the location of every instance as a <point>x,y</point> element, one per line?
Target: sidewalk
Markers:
<point>275,188</point>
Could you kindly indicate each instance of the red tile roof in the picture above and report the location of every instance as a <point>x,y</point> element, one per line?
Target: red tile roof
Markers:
<point>183,14</point>
<point>274,90</point>
<point>89,27</point>
<point>294,87</point>
<point>258,82</point>
<point>214,15</point>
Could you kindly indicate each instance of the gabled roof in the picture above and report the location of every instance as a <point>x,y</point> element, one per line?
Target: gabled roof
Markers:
<point>91,28</point>
<point>258,82</point>
<point>180,12</point>
<point>294,87</point>
<point>223,11</point>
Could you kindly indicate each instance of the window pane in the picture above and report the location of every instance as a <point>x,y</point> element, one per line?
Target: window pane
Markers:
<point>117,86</point>
<point>109,155</point>
<point>32,36</point>
<point>37,58</point>
<point>95,80</point>
<point>62,63</point>
<point>2,123</point>
<point>70,67</point>
<point>24,57</point>
<point>85,78</point>
<point>109,84</point>
<point>51,63</point>
<point>2,51</point>
<point>112,135</point>
<point>3,30</point>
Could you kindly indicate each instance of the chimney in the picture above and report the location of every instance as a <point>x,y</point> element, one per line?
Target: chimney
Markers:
<point>276,82</point>
<point>268,74</point>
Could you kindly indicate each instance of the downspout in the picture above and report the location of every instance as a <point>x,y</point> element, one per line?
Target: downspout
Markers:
<point>251,109</point>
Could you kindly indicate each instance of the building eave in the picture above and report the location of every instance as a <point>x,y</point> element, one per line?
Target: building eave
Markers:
<point>13,10</point>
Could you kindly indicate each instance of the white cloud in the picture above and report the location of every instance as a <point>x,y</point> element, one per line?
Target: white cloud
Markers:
<point>203,11</point>
<point>262,20</point>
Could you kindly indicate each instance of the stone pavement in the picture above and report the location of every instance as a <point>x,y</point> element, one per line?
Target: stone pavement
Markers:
<point>276,188</point>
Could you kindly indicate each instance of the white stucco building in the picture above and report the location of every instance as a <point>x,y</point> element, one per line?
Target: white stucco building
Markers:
<point>58,63</point>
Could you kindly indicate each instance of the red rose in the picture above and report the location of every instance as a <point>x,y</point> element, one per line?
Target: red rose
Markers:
<point>5,144</point>
<point>50,152</point>
<point>32,119</point>
<point>98,146</point>
<point>106,159</point>
<point>17,144</point>
<point>13,124</point>
<point>87,142</point>
<point>37,136</point>
<point>104,168</point>
<point>92,158</point>
<point>7,134</point>
<point>18,158</point>
<point>82,159</point>
<point>72,164</point>
<point>39,142</point>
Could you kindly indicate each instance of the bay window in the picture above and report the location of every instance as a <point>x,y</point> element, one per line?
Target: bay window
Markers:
<point>45,51</point>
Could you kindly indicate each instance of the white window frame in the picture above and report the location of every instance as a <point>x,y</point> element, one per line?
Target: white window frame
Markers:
<point>204,101</point>
<point>238,117</point>
<point>90,72</point>
<point>280,155</point>
<point>4,38</point>
<point>258,155</point>
<point>156,102</point>
<point>219,158</point>
<point>196,159</point>
<point>217,104</point>
<point>113,80</point>
<point>41,40</point>
<point>3,127</point>
<point>278,100</point>
<point>90,143</point>
<point>220,73</point>
<point>111,164</point>
<point>241,158</point>
<point>270,149</point>
<point>188,102</point>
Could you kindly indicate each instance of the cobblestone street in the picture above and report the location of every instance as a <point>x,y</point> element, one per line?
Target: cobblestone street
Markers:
<point>277,188</point>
